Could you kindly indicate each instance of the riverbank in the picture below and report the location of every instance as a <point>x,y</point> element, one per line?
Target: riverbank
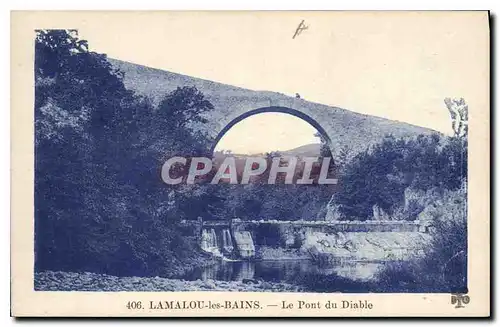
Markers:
<point>71,281</point>
<point>174,271</point>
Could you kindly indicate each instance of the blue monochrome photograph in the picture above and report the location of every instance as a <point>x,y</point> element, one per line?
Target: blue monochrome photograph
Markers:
<point>148,178</point>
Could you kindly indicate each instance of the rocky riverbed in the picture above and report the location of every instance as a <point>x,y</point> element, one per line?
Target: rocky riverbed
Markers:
<point>71,281</point>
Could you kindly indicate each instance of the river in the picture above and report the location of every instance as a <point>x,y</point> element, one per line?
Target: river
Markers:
<point>348,276</point>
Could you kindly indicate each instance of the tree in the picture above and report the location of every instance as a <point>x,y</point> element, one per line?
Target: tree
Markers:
<point>65,72</point>
<point>100,204</point>
<point>344,155</point>
<point>459,113</point>
<point>380,175</point>
<point>444,267</point>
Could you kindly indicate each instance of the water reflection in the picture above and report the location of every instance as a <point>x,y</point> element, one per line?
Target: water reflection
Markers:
<point>226,271</point>
<point>284,270</point>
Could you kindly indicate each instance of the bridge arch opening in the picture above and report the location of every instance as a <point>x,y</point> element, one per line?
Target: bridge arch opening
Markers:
<point>283,110</point>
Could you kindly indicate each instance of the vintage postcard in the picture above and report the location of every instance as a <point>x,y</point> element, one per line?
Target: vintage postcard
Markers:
<point>250,164</point>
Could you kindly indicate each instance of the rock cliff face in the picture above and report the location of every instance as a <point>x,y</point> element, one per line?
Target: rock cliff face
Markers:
<point>373,246</point>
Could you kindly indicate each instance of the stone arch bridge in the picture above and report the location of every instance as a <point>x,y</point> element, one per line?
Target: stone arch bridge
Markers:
<point>340,127</point>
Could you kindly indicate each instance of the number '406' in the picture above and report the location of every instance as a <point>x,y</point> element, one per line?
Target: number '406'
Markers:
<point>134,305</point>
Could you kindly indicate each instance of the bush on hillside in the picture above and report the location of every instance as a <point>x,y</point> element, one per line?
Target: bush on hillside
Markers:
<point>379,176</point>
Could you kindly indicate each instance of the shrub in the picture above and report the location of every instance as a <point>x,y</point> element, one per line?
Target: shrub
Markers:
<point>444,266</point>
<point>380,176</point>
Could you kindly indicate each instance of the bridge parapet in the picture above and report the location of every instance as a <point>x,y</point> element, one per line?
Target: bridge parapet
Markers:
<point>333,226</point>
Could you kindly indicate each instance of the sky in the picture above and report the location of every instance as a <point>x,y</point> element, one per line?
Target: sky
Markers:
<point>397,65</point>
<point>290,133</point>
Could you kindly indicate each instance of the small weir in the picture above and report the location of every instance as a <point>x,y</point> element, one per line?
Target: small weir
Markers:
<point>367,240</point>
<point>209,242</point>
<point>223,242</point>
<point>227,242</point>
